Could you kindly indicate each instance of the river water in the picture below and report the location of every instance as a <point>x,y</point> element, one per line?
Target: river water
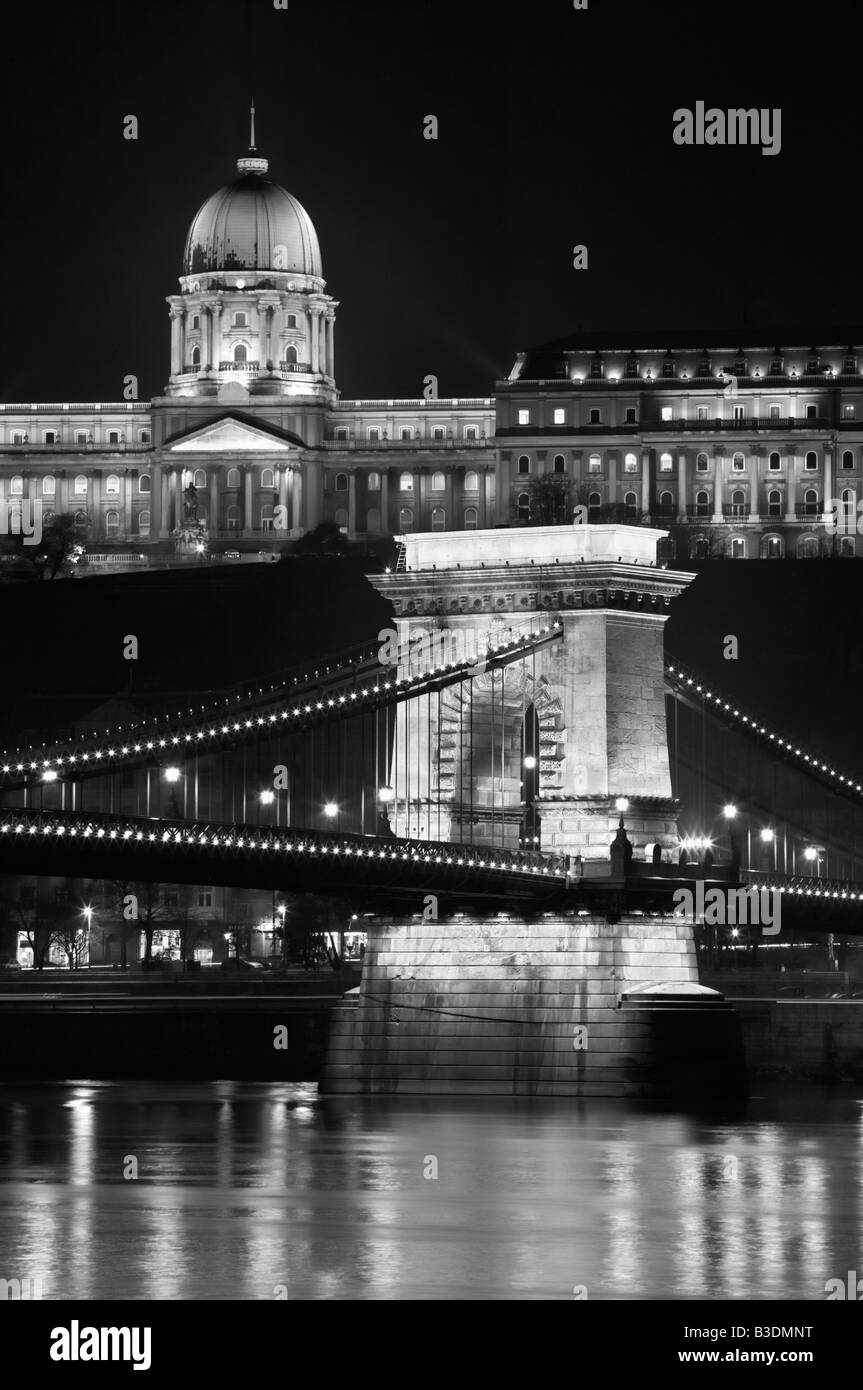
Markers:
<point>258,1191</point>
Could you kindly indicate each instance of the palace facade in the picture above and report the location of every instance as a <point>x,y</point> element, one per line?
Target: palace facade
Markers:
<point>740,449</point>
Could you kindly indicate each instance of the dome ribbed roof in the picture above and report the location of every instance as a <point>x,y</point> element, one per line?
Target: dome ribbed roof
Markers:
<point>243,226</point>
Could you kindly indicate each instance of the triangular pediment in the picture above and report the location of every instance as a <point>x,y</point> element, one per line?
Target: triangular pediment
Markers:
<point>229,436</point>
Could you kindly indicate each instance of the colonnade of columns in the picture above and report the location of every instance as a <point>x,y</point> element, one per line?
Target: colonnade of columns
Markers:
<point>272,317</point>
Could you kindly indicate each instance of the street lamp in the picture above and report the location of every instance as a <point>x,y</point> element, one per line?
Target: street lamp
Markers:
<point>267,798</point>
<point>729,811</point>
<point>172,774</point>
<point>530,762</point>
<point>386,795</point>
<point>622,804</point>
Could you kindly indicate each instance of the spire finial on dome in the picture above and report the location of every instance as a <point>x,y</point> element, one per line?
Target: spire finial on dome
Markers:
<point>250,163</point>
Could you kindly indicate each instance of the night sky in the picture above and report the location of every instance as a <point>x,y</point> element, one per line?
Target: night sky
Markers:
<point>450,256</point>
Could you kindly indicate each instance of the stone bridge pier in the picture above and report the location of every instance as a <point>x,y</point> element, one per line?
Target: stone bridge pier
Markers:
<point>537,754</point>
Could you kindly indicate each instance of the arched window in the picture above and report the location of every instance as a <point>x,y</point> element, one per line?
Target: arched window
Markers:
<point>143,482</point>
<point>48,518</point>
<point>240,354</point>
<point>738,502</point>
<point>438,482</point>
<point>112,485</point>
<point>737,548</point>
<point>341,482</point>
<point>807,548</point>
<point>772,548</point>
<point>80,488</point>
<point>268,478</point>
<point>438,519</point>
<point>112,523</point>
<point>406,482</point>
<point>291,355</point>
<point>144,523</point>
<point>471,481</point>
<point>594,502</point>
<point>292,321</point>
<point>738,462</point>
<point>594,463</point>
<point>846,546</point>
<point>196,357</point>
<point>848,458</point>
<point>630,503</point>
<point>373,520</point>
<point>559,463</point>
<point>470,518</point>
<point>341,517</point>
<point>200,478</point>
<point>810,502</point>
<point>666,504</point>
<point>523,464</point>
<point>233,479</point>
<point>373,482</point>
<point>702,504</point>
<point>267,516</point>
<point>811,460</point>
<point>665,463</point>
<point>16,486</point>
<point>49,485</point>
<point>701,463</point>
<point>81,519</point>
<point>699,549</point>
<point>630,463</point>
<point>774,503</point>
<point>523,506</point>
<point>232,520</point>
<point>774,462</point>
<point>665,550</point>
<point>406,519</point>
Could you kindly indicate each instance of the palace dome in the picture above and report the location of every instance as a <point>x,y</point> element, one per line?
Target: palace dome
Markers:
<point>252,224</point>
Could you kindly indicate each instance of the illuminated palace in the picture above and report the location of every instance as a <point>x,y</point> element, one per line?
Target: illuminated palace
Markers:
<point>736,448</point>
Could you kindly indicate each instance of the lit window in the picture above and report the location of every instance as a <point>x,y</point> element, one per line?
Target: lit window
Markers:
<point>49,486</point>
<point>80,488</point>
<point>665,463</point>
<point>773,548</point>
<point>560,416</point>
<point>471,481</point>
<point>524,417</point>
<point>406,482</point>
<point>848,412</point>
<point>702,504</point>
<point>738,463</point>
<point>16,486</point>
<point>738,503</point>
<point>373,482</point>
<point>701,463</point>
<point>233,478</point>
<point>630,463</point>
<point>438,482</point>
<point>668,412</point>
<point>737,548</point>
<point>594,463</point>
<point>200,478</point>
<point>268,478</point>
<point>112,485</point>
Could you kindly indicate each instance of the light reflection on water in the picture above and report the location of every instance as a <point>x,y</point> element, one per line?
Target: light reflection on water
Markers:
<point>245,1187</point>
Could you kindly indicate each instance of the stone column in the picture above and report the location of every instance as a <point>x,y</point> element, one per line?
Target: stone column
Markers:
<point>645,482</point>
<point>176,365</point>
<point>91,503</point>
<point>128,515</point>
<point>315,321</point>
<point>156,512</point>
<point>754,486</point>
<point>612,478</point>
<point>828,482</point>
<point>682,486</point>
<point>352,504</point>
<point>206,337</point>
<point>283,497</point>
<point>276,334</point>
<point>166,503</point>
<point>216,336</point>
<point>182,339</point>
<point>717,485</point>
<point>487,508</point>
<point>449,514</point>
<point>331,356</point>
<point>297,500</point>
<point>791,496</point>
<point>213,520</point>
<point>385,501</point>
<point>263,336</point>
<point>312,484</point>
<point>248,520</point>
<point>503,470</point>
